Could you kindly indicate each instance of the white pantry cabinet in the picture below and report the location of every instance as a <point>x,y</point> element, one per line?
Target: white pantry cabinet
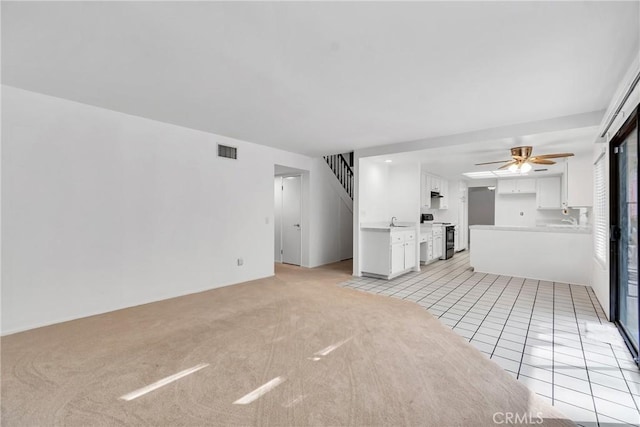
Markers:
<point>549,193</point>
<point>516,186</point>
<point>388,252</point>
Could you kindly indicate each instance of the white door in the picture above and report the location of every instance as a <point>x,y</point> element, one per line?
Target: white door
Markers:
<point>291,214</point>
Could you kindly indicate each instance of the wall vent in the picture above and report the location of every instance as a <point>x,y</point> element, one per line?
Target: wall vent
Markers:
<point>227,152</point>
<point>540,170</point>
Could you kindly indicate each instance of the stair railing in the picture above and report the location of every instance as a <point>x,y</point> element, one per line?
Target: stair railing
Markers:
<point>342,171</point>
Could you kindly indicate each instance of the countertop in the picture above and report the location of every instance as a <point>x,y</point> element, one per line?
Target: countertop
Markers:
<point>538,229</point>
<point>408,226</point>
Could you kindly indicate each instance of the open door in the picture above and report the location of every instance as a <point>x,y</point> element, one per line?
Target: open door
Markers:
<point>291,219</point>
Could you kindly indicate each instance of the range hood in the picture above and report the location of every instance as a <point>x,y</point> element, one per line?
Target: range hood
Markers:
<point>436,195</point>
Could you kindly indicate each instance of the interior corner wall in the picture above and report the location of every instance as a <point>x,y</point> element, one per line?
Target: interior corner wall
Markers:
<point>326,210</point>
<point>103,210</point>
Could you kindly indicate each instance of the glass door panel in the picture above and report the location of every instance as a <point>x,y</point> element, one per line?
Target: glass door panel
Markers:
<point>627,266</point>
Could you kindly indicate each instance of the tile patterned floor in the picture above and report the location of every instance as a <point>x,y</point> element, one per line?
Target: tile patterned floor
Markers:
<point>553,337</point>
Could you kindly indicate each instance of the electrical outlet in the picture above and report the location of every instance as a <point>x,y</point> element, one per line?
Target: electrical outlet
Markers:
<point>240,261</point>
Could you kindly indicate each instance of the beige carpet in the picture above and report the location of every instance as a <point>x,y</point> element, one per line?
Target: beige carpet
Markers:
<point>341,357</point>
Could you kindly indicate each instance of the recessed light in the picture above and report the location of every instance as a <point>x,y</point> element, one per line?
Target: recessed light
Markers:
<point>388,161</point>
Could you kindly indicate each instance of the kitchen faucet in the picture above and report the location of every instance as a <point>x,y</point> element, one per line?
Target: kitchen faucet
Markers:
<point>571,220</point>
<point>392,223</point>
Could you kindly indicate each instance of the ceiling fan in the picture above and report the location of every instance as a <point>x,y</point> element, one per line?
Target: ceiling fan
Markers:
<point>522,159</point>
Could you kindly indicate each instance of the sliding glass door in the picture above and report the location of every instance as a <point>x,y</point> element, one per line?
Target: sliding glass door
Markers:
<point>624,204</point>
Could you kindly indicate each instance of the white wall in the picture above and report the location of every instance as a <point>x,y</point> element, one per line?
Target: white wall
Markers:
<point>403,193</point>
<point>515,209</point>
<point>326,237</point>
<point>103,210</point>
<point>373,178</point>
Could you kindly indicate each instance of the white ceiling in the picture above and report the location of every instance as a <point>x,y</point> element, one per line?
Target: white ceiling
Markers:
<point>452,161</point>
<point>324,77</point>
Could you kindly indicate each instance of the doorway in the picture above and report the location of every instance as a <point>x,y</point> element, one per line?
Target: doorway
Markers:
<point>288,219</point>
<point>482,206</point>
<point>624,232</point>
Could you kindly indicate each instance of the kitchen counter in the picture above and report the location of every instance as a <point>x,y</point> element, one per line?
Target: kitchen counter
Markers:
<point>385,226</point>
<point>555,254</point>
<point>388,252</point>
<point>537,229</point>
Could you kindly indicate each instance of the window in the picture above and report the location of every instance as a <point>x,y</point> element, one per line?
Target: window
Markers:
<point>601,227</point>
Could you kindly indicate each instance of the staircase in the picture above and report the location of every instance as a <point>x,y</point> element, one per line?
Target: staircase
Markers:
<point>342,171</point>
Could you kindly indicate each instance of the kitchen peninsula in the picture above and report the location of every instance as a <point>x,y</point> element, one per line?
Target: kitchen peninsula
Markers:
<point>558,254</point>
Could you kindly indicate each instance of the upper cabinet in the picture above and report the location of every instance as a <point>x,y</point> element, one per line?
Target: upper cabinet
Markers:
<point>549,193</point>
<point>578,182</point>
<point>433,184</point>
<point>517,186</point>
<point>425,191</point>
<point>444,192</point>
<point>436,183</point>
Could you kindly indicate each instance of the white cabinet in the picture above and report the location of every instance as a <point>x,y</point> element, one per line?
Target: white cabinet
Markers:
<point>387,253</point>
<point>435,184</point>
<point>444,192</point>
<point>426,246</point>
<point>425,191</point>
<point>432,183</point>
<point>549,193</point>
<point>409,255</point>
<point>516,186</point>
<point>397,258</point>
<point>437,242</point>
<point>578,179</point>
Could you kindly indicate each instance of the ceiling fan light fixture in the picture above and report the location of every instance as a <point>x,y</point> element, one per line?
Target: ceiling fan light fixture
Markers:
<point>513,168</point>
<point>525,167</point>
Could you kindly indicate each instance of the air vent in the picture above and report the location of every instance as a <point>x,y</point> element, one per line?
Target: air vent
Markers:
<point>540,170</point>
<point>228,152</point>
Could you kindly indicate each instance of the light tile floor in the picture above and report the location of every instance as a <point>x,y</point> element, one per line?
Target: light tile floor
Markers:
<point>553,337</point>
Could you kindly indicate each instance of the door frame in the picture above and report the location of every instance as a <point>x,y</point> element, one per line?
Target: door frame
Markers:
<point>614,198</point>
<point>278,237</point>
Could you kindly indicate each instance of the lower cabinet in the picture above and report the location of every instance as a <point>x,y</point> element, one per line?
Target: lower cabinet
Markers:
<point>437,247</point>
<point>387,253</point>
<point>430,245</point>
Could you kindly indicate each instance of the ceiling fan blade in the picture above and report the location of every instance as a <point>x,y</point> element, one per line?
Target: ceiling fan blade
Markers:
<point>541,161</point>
<point>490,163</point>
<point>508,164</point>
<point>552,156</point>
